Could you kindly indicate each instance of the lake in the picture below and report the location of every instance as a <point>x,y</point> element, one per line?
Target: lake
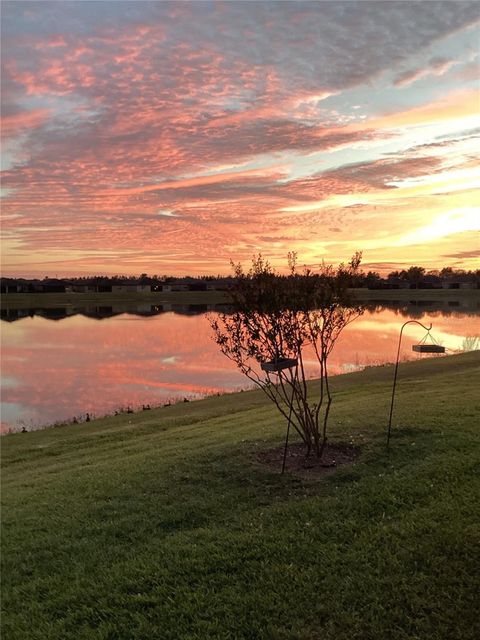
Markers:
<point>58,364</point>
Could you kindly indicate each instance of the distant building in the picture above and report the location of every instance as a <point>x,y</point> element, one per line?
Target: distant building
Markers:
<point>220,284</point>
<point>430,281</point>
<point>9,285</point>
<point>184,284</point>
<point>460,282</point>
<point>49,285</point>
<point>104,285</point>
<point>84,287</point>
<point>390,283</point>
<point>130,286</point>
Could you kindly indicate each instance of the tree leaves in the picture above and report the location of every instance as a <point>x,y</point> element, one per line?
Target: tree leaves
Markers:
<point>276,317</point>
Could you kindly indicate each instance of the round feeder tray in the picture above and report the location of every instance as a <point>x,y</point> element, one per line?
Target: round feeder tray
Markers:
<point>280,364</point>
<point>428,348</point>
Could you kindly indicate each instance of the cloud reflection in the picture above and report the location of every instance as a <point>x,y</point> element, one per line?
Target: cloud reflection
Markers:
<point>57,370</point>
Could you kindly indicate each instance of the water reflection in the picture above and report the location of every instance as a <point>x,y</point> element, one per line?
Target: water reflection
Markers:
<point>407,309</point>
<point>99,312</point>
<point>417,309</point>
<point>59,363</point>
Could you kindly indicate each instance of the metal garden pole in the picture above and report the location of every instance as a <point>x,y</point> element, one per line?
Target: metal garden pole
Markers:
<point>396,371</point>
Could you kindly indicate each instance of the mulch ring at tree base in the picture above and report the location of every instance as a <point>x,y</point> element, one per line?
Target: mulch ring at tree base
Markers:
<point>334,456</point>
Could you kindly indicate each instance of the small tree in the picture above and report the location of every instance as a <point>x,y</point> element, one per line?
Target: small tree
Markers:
<point>276,318</point>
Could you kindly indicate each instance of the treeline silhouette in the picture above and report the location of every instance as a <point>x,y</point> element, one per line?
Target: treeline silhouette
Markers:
<point>418,277</point>
<point>413,277</point>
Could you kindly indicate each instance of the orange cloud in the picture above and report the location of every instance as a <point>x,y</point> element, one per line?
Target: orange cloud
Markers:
<point>455,106</point>
<point>159,109</point>
<point>183,183</point>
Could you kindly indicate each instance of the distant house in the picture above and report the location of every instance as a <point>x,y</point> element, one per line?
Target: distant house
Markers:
<point>93,285</point>
<point>105,285</point>
<point>184,284</point>
<point>8,285</point>
<point>220,284</point>
<point>430,281</point>
<point>156,285</point>
<point>174,286</point>
<point>460,282</point>
<point>84,287</point>
<point>198,284</point>
<point>129,286</point>
<point>394,283</point>
<point>49,285</point>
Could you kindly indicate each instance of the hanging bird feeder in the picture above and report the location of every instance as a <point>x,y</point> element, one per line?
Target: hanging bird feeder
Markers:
<point>428,347</point>
<point>279,364</point>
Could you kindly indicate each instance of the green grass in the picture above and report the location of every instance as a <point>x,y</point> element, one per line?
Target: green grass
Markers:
<point>163,525</point>
<point>68,300</point>
<point>13,301</point>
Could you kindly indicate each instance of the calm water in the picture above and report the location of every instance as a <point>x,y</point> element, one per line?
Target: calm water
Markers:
<point>57,367</point>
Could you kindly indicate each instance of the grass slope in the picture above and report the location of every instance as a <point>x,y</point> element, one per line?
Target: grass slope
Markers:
<point>79,300</point>
<point>163,524</point>
<point>470,297</point>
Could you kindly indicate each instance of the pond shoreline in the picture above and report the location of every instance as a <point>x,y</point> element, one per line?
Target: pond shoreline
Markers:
<point>373,374</point>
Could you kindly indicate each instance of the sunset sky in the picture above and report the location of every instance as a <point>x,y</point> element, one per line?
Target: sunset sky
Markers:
<point>171,137</point>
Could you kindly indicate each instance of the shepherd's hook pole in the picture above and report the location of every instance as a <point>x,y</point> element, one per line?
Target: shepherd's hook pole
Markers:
<point>289,419</point>
<point>396,371</point>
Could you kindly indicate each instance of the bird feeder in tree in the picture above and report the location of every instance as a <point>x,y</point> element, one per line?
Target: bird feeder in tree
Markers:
<point>275,366</point>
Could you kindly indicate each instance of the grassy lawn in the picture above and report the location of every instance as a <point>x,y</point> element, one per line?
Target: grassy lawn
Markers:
<point>49,300</point>
<point>163,524</point>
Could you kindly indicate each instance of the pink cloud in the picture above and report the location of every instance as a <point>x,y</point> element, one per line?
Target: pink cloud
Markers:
<point>17,123</point>
<point>125,113</point>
